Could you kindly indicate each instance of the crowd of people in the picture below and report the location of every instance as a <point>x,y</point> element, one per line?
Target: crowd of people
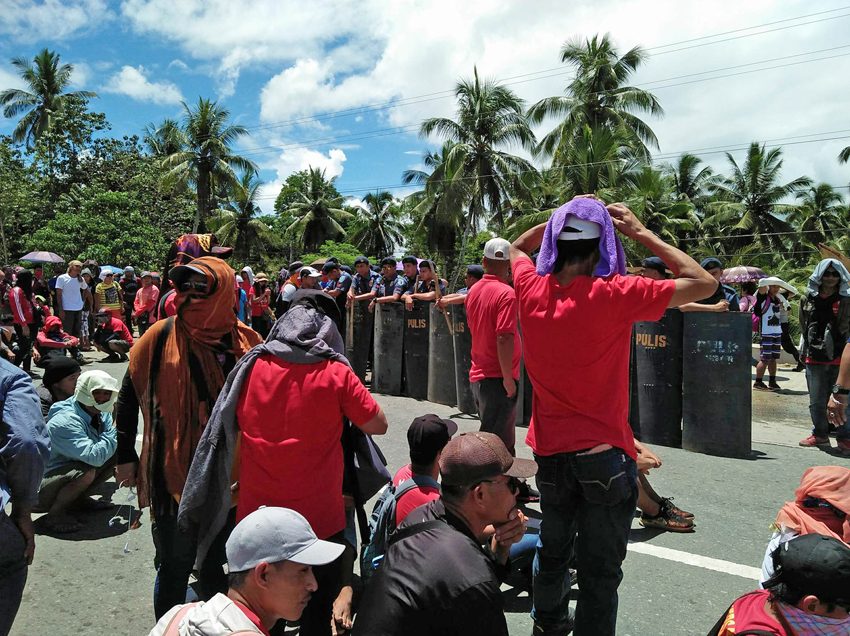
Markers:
<point>257,457</point>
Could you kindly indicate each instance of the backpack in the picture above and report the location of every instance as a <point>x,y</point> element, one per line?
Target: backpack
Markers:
<point>382,522</point>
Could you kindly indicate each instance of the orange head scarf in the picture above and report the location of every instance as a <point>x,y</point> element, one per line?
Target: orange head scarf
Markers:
<point>176,369</point>
<point>829,483</point>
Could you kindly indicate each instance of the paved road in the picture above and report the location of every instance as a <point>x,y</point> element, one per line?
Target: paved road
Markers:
<point>100,580</point>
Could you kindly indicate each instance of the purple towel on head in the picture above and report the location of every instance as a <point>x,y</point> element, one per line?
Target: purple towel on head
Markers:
<point>612,257</point>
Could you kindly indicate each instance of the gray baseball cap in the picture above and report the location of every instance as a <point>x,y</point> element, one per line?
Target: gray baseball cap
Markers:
<point>272,535</point>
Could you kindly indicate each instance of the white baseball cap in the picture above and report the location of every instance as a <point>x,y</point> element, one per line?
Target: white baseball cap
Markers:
<point>310,271</point>
<point>497,249</point>
<point>579,229</point>
<point>274,534</point>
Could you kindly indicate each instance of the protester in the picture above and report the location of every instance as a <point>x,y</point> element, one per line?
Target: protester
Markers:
<point>426,285</point>
<point>261,313</point>
<point>825,325</point>
<point>474,273</point>
<point>111,336</point>
<point>130,286</point>
<point>785,322</point>
<point>766,312</point>
<point>748,296</point>
<point>71,291</point>
<point>437,577</point>
<point>657,512</point>
<point>287,398</point>
<point>176,372</point>
<point>107,295</point>
<point>144,305</point>
<point>5,286</point>
<point>491,315</point>
<point>821,506</point>
<point>808,594</point>
<point>247,285</point>
<point>58,383</point>
<point>270,559</point>
<point>309,278</point>
<point>243,311</point>
<point>24,450</point>
<point>579,426</point>
<point>183,250</point>
<point>363,282</point>
<point>724,298</point>
<point>23,315</point>
<point>87,318</point>
<point>82,451</point>
<point>289,287</point>
<point>52,341</point>
<point>39,285</point>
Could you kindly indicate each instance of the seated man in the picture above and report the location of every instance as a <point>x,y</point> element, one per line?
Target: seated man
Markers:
<point>270,559</point>
<point>82,451</point>
<point>59,381</point>
<point>52,340</point>
<point>808,594</point>
<point>111,336</point>
<point>455,588</point>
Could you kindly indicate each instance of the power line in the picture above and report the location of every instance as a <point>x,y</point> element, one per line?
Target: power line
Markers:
<point>397,130</point>
<point>378,106</point>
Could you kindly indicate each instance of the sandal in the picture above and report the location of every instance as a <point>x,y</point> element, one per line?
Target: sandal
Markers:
<point>667,502</point>
<point>87,504</point>
<point>60,523</point>
<point>667,520</point>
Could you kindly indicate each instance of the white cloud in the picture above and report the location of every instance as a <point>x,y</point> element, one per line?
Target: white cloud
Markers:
<point>295,159</point>
<point>29,20</point>
<point>178,63</point>
<point>10,79</point>
<point>134,83</point>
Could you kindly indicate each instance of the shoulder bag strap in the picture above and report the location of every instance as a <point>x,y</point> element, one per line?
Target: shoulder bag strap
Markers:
<point>416,528</point>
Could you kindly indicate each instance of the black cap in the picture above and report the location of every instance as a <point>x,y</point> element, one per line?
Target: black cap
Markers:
<point>475,270</point>
<point>361,259</point>
<point>58,368</point>
<point>710,263</point>
<point>427,436</point>
<point>653,262</point>
<point>328,267</point>
<point>389,260</point>
<point>295,266</point>
<point>409,259</point>
<point>813,564</point>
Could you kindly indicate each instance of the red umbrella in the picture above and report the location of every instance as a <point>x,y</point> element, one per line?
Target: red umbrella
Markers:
<point>42,257</point>
<point>742,274</point>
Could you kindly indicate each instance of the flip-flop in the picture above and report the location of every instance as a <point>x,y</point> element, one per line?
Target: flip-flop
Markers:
<point>61,524</point>
<point>87,504</point>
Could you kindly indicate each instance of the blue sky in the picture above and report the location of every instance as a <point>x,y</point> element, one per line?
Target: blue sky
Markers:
<point>281,66</point>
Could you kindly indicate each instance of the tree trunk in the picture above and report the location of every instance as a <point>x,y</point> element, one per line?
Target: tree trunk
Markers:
<point>199,226</point>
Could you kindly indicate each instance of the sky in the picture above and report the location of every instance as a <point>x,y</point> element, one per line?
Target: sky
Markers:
<point>344,85</point>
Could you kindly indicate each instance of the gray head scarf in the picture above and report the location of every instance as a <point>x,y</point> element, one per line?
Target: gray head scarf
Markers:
<point>816,278</point>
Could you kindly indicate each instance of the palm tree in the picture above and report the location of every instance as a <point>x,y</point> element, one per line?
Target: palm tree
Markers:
<point>819,214</point>
<point>236,223</point>
<point>377,229</point>
<point>844,155</point>
<point>165,139</point>
<point>689,180</point>
<point>317,209</point>
<point>45,101</point>
<point>489,117</point>
<point>598,97</point>
<point>207,156</point>
<point>751,198</point>
<point>653,198</point>
<point>596,161</point>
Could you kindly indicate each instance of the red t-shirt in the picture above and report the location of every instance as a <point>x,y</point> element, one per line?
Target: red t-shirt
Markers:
<point>576,340</point>
<point>749,612</point>
<point>290,416</point>
<point>252,616</point>
<point>260,303</point>
<point>490,312</point>
<point>413,498</point>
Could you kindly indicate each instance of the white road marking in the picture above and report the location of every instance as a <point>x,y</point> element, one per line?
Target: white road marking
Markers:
<point>708,563</point>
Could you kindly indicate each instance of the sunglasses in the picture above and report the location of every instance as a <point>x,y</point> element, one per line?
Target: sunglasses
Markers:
<point>191,285</point>
<point>513,483</point>
<point>814,502</point>
<point>831,273</point>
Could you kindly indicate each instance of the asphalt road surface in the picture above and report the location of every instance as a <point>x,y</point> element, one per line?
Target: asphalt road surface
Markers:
<point>100,580</point>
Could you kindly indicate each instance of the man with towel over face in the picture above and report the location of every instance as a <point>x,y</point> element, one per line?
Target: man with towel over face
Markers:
<point>576,312</point>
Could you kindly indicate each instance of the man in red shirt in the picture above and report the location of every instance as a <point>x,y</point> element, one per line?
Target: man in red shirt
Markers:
<point>426,437</point>
<point>111,336</point>
<point>491,314</point>
<point>576,331</point>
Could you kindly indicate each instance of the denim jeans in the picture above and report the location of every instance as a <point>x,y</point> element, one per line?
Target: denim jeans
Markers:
<point>588,502</point>
<point>820,379</point>
<point>13,572</point>
<point>175,559</point>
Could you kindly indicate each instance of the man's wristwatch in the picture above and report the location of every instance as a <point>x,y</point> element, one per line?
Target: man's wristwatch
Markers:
<point>840,390</point>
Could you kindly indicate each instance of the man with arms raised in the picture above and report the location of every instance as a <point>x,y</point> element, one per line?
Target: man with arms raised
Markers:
<point>576,317</point>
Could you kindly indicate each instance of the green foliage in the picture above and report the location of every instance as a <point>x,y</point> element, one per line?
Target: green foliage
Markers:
<point>19,201</point>
<point>316,208</point>
<point>377,229</point>
<point>109,227</point>
<point>345,252</point>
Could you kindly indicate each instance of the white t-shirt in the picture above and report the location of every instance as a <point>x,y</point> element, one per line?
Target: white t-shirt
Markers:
<point>771,324</point>
<point>72,292</point>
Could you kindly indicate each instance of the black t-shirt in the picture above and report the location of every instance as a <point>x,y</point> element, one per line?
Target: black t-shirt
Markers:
<point>129,288</point>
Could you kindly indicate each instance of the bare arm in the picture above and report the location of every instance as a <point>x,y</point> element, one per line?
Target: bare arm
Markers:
<point>505,353</point>
<point>719,306</point>
<point>837,405</point>
<point>693,282</point>
<point>377,425</point>
<point>452,299</point>
<point>527,243</point>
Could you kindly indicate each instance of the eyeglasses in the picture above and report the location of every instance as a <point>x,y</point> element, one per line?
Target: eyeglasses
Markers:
<point>512,483</point>
<point>191,285</point>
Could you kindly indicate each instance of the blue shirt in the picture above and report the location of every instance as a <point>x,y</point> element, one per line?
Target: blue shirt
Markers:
<point>343,282</point>
<point>24,444</point>
<point>384,287</point>
<point>242,314</point>
<point>362,285</point>
<point>74,439</point>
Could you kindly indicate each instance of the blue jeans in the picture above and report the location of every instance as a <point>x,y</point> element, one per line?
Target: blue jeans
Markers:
<point>820,379</point>
<point>594,497</point>
<point>13,572</point>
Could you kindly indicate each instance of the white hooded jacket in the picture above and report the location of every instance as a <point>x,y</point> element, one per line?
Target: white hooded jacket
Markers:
<point>219,616</point>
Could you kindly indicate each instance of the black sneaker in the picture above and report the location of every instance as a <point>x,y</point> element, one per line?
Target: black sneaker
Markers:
<point>759,385</point>
<point>561,629</point>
